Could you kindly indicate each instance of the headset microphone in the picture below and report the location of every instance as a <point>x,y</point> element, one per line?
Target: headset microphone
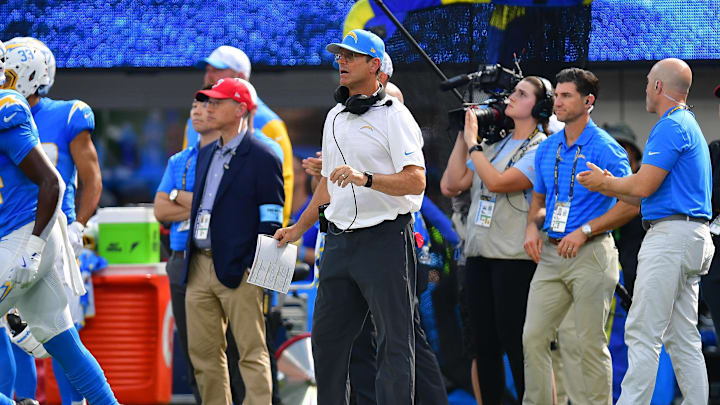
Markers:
<point>385,104</point>
<point>359,104</point>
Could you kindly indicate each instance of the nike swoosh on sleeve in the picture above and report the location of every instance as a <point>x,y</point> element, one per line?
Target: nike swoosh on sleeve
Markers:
<point>409,153</point>
<point>9,117</point>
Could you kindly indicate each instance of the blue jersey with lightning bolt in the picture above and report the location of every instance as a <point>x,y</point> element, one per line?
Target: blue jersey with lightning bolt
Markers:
<point>58,123</point>
<point>18,135</point>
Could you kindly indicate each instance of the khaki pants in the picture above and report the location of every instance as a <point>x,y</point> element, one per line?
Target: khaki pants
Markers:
<point>209,305</point>
<point>587,282</point>
<point>567,367</point>
<point>673,256</point>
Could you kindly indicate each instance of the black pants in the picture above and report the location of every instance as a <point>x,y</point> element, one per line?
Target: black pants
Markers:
<point>497,295</point>
<point>710,285</point>
<point>363,365</point>
<point>175,268</point>
<point>429,385</point>
<point>369,269</point>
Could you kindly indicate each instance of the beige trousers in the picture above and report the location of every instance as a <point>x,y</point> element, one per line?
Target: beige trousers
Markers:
<point>587,282</point>
<point>567,366</point>
<point>209,305</point>
<point>673,256</point>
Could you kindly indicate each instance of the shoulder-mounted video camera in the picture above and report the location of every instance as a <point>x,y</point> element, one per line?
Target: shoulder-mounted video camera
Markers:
<point>497,83</point>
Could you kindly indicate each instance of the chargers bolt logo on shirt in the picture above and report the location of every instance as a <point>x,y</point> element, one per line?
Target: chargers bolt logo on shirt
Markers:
<point>5,290</point>
<point>78,105</point>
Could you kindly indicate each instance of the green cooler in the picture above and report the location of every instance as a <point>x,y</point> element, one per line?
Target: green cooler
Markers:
<point>128,235</point>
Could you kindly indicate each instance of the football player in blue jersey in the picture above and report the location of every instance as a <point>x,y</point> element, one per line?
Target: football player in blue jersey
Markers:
<point>20,374</point>
<point>32,230</point>
<point>65,133</point>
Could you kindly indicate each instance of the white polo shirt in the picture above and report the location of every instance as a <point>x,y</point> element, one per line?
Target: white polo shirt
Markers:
<point>383,140</point>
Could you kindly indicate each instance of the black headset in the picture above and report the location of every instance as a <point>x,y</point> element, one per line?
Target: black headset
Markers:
<point>543,107</point>
<point>359,104</point>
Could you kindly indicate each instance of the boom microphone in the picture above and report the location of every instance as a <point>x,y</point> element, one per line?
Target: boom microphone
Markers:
<point>454,82</point>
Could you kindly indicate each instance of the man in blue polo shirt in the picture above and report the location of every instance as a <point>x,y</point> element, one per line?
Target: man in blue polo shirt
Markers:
<point>576,256</point>
<point>674,186</point>
<point>173,202</point>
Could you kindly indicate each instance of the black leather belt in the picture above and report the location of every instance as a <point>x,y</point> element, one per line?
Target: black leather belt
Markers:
<point>556,241</point>
<point>180,253</point>
<point>336,229</point>
<point>678,217</point>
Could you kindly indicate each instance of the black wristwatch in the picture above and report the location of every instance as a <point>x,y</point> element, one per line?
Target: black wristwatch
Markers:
<point>476,147</point>
<point>369,180</point>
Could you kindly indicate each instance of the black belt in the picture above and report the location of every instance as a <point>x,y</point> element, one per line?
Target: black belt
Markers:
<point>646,224</point>
<point>335,229</point>
<point>556,241</point>
<point>180,253</point>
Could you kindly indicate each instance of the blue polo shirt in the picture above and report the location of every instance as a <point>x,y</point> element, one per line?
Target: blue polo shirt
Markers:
<point>180,166</point>
<point>598,147</point>
<point>677,144</point>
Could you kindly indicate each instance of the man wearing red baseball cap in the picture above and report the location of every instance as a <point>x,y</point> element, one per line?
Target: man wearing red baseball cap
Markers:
<point>228,61</point>
<point>238,194</point>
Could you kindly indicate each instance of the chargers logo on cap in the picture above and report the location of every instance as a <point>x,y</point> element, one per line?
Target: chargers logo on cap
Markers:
<point>352,35</point>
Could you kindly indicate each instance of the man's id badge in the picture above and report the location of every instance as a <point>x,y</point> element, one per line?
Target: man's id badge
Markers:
<point>203,225</point>
<point>560,216</point>
<point>715,226</point>
<point>485,211</point>
<point>184,225</point>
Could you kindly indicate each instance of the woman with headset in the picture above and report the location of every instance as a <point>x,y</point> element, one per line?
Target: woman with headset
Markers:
<point>498,271</point>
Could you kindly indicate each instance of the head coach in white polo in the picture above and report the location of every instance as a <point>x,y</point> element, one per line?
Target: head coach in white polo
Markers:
<point>373,177</point>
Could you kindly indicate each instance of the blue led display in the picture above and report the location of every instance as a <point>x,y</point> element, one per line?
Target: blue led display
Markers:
<point>177,33</point>
<point>162,33</point>
<point>651,30</point>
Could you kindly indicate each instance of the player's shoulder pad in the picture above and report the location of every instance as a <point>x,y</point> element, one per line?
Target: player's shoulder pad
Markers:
<point>78,109</point>
<point>14,109</point>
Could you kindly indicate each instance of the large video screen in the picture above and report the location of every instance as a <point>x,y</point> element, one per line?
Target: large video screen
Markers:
<point>177,33</point>
<point>651,30</point>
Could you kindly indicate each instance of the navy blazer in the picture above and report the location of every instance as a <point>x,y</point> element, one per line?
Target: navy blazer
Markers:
<point>253,178</point>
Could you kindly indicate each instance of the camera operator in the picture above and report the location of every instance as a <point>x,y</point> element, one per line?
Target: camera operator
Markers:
<point>499,271</point>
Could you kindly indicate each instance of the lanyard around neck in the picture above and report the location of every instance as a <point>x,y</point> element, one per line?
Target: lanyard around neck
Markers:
<point>187,166</point>
<point>572,178</point>
<point>520,152</point>
<point>678,107</point>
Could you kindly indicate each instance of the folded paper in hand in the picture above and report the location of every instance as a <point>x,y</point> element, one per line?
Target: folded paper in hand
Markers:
<point>273,267</point>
